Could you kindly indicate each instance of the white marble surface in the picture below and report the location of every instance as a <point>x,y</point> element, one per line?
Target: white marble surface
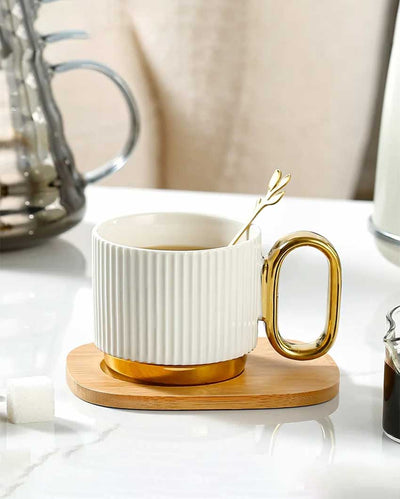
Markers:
<point>331,450</point>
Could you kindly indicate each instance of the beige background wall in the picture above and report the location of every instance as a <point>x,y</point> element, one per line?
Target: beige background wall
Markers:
<point>229,90</point>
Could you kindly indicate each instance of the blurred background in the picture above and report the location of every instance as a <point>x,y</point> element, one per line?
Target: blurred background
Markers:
<point>229,90</point>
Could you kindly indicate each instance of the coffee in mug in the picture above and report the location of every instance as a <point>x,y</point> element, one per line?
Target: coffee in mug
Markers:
<point>178,248</point>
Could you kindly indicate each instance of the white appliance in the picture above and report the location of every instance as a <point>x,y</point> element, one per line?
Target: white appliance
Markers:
<point>385,221</point>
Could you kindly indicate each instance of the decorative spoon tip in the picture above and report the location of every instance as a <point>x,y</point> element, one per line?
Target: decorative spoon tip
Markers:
<point>273,196</point>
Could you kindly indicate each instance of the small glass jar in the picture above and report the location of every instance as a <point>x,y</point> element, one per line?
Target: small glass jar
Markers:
<point>391,388</point>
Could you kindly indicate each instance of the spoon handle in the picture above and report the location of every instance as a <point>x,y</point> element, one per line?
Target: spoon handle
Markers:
<point>274,194</point>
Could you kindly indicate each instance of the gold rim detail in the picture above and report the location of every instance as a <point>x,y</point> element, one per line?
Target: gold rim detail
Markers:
<point>156,374</point>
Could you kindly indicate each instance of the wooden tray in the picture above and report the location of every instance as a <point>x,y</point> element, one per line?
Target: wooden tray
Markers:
<point>269,381</point>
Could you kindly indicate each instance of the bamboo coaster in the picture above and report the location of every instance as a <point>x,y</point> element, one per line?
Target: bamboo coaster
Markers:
<point>269,381</point>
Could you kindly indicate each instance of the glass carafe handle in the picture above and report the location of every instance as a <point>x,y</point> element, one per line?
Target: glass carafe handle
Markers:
<point>134,124</point>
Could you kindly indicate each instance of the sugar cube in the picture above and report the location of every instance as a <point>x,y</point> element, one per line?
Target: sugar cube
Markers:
<point>30,399</point>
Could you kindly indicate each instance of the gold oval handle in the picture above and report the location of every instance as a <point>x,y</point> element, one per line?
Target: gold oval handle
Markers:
<point>270,283</point>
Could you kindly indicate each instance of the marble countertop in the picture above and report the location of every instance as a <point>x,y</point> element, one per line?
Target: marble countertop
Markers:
<point>335,449</point>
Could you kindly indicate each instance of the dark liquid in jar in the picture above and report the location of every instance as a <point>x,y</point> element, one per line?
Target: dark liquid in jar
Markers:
<point>391,402</point>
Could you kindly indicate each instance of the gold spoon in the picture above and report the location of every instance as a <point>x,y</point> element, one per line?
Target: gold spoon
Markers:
<point>273,196</point>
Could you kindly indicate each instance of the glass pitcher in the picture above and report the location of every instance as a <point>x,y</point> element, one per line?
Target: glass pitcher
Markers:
<point>41,192</point>
<point>391,389</point>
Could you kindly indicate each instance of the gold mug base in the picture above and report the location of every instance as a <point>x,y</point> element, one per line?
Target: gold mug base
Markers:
<point>157,374</point>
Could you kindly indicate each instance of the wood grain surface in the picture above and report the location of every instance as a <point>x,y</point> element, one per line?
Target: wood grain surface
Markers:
<point>269,381</point>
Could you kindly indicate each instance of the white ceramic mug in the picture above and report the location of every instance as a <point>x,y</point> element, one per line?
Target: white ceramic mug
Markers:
<point>174,316</point>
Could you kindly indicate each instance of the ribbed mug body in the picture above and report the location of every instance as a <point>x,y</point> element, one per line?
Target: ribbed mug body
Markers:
<point>174,307</point>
